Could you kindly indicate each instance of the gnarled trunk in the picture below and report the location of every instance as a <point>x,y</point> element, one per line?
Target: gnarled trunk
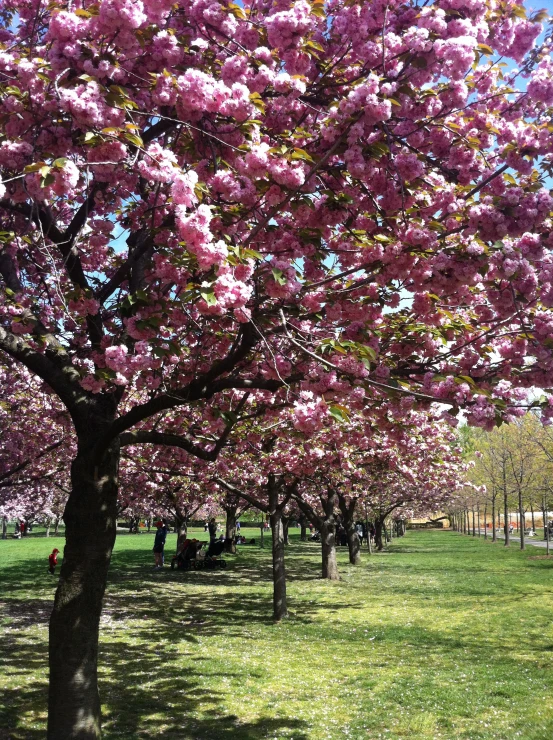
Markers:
<point>230,529</point>
<point>280,606</point>
<point>347,509</point>
<point>354,546</point>
<point>285,528</point>
<point>182,530</point>
<point>378,532</point>
<point>303,529</point>
<point>90,527</point>
<point>328,543</point>
<point>328,537</point>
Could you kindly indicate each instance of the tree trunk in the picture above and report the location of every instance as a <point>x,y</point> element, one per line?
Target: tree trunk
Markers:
<point>379,544</point>
<point>90,528</point>
<point>328,536</point>
<point>521,519</point>
<point>230,529</point>
<point>533,519</point>
<point>478,519</point>
<point>4,527</point>
<point>57,527</point>
<point>280,608</point>
<point>48,522</point>
<point>544,512</point>
<point>182,530</point>
<point>485,522</point>
<point>348,521</point>
<point>285,528</point>
<point>354,546</point>
<point>303,529</point>
<point>494,535</point>
<point>506,517</point>
<point>328,544</point>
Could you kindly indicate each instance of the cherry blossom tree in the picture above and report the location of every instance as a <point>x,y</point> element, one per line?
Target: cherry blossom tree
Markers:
<point>297,200</point>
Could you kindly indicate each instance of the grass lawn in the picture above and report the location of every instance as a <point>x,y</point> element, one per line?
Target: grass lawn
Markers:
<point>443,636</point>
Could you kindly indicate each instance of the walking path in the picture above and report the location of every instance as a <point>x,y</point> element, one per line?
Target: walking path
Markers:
<point>515,539</point>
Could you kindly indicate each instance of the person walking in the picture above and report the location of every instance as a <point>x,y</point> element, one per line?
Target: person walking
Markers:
<point>53,561</point>
<point>159,544</point>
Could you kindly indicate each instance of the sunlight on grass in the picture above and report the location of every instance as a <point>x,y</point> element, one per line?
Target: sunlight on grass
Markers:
<point>443,636</point>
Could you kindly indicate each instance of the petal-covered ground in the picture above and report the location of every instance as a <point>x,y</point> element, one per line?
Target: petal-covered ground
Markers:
<point>442,636</point>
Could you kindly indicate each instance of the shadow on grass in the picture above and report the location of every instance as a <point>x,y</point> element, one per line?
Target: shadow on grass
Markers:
<point>22,659</point>
<point>143,690</point>
<point>146,696</point>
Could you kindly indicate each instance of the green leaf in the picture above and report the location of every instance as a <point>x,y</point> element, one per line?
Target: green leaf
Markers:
<point>339,412</point>
<point>485,48</point>
<point>278,276</point>
<point>36,167</point>
<point>301,154</point>
<point>209,296</point>
<point>134,139</point>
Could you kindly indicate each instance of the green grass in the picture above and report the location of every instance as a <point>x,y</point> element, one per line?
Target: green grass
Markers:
<point>443,636</point>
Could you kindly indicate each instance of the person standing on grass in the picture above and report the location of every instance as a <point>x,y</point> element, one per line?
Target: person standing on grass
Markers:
<point>53,561</point>
<point>159,544</point>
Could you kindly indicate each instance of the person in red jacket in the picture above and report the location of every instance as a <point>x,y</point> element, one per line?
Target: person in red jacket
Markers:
<point>53,561</point>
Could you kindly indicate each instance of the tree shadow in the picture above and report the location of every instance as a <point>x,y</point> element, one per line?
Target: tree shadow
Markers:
<point>146,696</point>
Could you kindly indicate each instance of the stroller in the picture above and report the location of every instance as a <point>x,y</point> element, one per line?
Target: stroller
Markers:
<point>185,559</point>
<point>212,559</point>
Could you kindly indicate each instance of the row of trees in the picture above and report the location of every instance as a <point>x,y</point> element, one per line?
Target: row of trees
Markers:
<point>511,473</point>
<point>215,212</point>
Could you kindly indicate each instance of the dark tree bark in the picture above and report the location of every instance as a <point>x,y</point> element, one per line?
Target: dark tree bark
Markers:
<point>303,528</point>
<point>182,529</point>
<point>506,513</point>
<point>328,544</point>
<point>230,528</point>
<point>378,532</point>
<point>280,606</point>
<point>285,528</point>
<point>521,519</point>
<point>494,534</point>
<point>90,526</point>
<point>57,526</point>
<point>326,524</point>
<point>328,537</point>
<point>347,509</point>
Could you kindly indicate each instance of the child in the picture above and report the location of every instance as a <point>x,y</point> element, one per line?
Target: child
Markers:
<point>53,561</point>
